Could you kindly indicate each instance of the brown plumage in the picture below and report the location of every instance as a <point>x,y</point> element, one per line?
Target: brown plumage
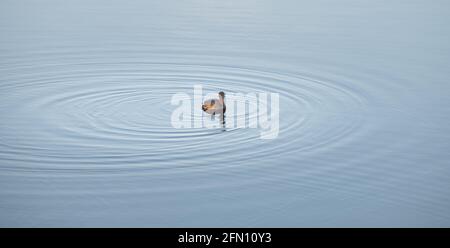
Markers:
<point>215,106</point>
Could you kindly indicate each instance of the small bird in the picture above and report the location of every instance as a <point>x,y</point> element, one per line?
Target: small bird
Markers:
<point>215,106</point>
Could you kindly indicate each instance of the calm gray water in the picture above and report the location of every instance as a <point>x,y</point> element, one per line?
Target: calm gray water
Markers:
<point>85,106</point>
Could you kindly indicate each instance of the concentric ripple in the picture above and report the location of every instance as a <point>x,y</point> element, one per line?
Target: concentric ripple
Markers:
<point>100,116</point>
<point>85,114</point>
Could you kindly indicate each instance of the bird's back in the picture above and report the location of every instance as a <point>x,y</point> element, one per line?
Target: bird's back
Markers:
<point>213,106</point>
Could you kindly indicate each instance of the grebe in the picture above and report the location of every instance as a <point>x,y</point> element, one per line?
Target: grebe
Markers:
<point>215,106</point>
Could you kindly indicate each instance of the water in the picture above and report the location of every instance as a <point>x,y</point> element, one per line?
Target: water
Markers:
<point>86,138</point>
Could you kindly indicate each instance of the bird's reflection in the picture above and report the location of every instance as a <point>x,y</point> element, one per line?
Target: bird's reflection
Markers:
<point>222,121</point>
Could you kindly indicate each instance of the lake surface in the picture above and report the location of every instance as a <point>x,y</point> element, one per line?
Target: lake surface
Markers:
<point>85,107</point>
